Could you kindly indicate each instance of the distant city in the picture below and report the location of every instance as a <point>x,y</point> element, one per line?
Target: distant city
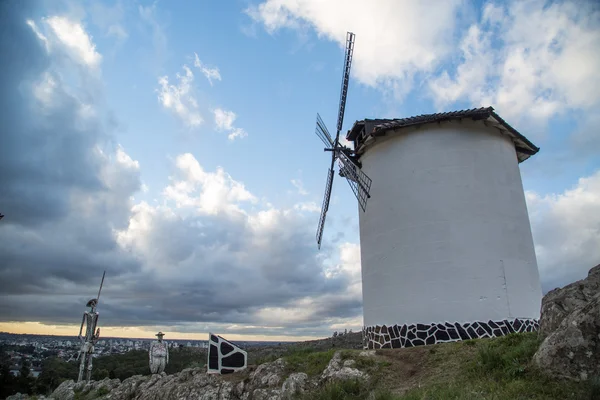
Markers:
<point>35,348</point>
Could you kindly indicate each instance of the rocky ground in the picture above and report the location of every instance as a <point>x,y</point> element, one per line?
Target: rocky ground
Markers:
<point>562,362</point>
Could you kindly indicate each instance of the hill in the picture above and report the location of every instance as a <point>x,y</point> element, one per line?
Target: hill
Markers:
<point>499,368</point>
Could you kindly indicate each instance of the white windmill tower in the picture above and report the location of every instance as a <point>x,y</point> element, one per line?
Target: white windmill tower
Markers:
<point>446,246</point>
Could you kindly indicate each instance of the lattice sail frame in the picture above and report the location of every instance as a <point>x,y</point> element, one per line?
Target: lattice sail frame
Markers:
<point>359,182</point>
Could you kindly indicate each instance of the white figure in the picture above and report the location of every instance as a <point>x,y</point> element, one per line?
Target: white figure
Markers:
<point>90,319</point>
<point>159,354</point>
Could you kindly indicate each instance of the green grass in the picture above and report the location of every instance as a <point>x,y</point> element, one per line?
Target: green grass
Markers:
<point>348,390</point>
<point>103,391</point>
<point>308,361</point>
<point>502,369</point>
<point>494,369</point>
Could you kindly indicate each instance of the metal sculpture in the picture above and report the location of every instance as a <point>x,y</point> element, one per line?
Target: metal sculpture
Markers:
<point>159,354</point>
<point>92,334</point>
<point>349,166</point>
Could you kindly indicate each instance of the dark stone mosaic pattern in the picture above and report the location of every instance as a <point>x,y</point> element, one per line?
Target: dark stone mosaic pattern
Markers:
<point>225,357</point>
<point>397,336</point>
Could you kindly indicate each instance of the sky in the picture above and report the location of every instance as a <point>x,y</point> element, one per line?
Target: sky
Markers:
<point>171,143</point>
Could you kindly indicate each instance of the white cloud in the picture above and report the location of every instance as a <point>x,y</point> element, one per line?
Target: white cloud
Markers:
<point>308,206</point>
<point>266,258</point>
<point>300,186</point>
<point>566,231</point>
<point>39,34</point>
<point>527,58</point>
<point>109,19</point>
<point>224,121</point>
<point>407,37</point>
<point>237,133</point>
<point>159,38</point>
<point>524,57</point>
<point>207,192</point>
<point>180,98</point>
<point>210,73</point>
<point>74,37</point>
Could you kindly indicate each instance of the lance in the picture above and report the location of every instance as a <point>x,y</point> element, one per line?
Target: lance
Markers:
<point>99,290</point>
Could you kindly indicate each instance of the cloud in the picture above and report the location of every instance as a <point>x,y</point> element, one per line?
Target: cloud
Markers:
<point>74,37</point>
<point>388,53</point>
<point>109,19</point>
<point>566,231</point>
<point>210,73</point>
<point>299,186</point>
<point>179,98</point>
<point>159,38</point>
<point>209,193</point>
<point>65,187</point>
<point>206,255</point>
<point>234,263</point>
<point>224,121</point>
<point>527,58</point>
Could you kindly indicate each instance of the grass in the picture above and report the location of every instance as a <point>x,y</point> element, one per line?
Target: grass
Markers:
<point>486,369</point>
<point>349,390</point>
<point>308,361</point>
<point>103,391</point>
<point>502,369</point>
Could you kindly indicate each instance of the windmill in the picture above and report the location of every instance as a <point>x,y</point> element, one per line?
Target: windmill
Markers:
<point>349,166</point>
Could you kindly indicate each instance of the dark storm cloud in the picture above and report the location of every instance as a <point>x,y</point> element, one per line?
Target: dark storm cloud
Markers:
<point>48,161</point>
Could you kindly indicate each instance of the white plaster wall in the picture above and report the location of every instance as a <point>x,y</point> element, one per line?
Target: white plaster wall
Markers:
<point>446,234</point>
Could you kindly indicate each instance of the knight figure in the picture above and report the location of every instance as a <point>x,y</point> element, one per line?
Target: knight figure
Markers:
<point>90,319</point>
<point>159,354</point>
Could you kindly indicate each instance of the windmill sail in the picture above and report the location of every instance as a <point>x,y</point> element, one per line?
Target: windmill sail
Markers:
<point>345,80</point>
<point>323,133</point>
<point>359,182</point>
<point>325,207</point>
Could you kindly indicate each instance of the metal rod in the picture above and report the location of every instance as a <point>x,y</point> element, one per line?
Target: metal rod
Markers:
<point>99,290</point>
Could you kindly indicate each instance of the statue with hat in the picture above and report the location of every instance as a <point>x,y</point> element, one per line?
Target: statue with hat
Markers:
<point>92,333</point>
<point>159,354</point>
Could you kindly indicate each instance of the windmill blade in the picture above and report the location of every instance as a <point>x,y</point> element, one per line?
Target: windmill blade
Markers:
<point>325,207</point>
<point>345,79</point>
<point>359,182</point>
<point>322,132</point>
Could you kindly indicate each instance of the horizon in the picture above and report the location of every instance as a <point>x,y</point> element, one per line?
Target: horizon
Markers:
<point>173,145</point>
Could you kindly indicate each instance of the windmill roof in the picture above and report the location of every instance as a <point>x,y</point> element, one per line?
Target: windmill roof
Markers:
<point>368,128</point>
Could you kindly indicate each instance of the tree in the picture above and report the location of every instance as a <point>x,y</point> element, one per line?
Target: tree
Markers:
<point>25,381</point>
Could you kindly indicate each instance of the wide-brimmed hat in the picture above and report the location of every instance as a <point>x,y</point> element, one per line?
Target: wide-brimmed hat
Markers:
<point>92,303</point>
<point>160,334</point>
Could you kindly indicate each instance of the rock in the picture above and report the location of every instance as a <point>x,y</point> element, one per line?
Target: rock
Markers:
<point>572,351</point>
<point>336,370</point>
<point>266,394</point>
<point>295,384</point>
<point>559,303</point>
<point>268,374</point>
<point>64,391</point>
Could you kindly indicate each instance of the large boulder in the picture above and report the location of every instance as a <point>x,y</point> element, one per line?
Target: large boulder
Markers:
<point>559,303</point>
<point>572,351</point>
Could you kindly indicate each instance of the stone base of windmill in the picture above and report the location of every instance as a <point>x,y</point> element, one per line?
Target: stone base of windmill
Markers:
<point>399,336</point>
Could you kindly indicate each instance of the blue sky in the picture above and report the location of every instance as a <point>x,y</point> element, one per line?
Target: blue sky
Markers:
<point>183,199</point>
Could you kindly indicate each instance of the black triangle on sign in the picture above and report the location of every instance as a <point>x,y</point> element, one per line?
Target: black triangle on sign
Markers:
<point>224,357</point>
